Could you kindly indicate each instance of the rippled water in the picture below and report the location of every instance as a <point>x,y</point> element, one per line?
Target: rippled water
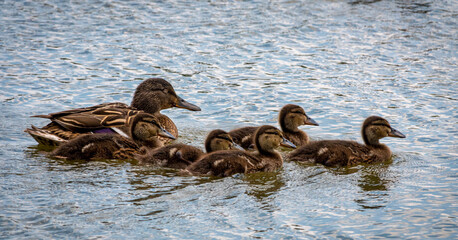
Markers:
<point>240,61</point>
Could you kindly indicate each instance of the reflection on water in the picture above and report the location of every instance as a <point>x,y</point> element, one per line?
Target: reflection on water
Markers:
<point>375,184</point>
<point>263,187</point>
<point>240,61</point>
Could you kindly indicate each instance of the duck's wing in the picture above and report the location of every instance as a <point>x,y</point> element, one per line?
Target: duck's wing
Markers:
<point>107,117</point>
<point>243,136</point>
<point>98,118</point>
<point>84,110</point>
<point>224,163</point>
<point>45,137</point>
<point>331,153</point>
<point>168,125</point>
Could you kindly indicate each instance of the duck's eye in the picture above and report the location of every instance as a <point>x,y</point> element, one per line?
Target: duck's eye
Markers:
<point>299,113</point>
<point>225,138</point>
<point>275,133</point>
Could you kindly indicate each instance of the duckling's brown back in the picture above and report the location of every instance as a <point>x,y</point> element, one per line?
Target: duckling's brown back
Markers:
<point>93,146</point>
<point>224,163</point>
<point>243,136</point>
<point>334,153</point>
<point>177,156</point>
<point>299,138</point>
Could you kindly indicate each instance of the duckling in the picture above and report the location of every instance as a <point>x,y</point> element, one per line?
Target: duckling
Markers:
<point>144,129</point>
<point>348,153</point>
<point>151,96</point>
<point>291,116</point>
<point>226,163</point>
<point>180,156</point>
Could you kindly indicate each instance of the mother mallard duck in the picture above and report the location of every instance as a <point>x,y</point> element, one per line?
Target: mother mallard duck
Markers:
<point>151,96</point>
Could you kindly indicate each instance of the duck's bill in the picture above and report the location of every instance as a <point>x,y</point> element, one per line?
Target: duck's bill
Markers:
<point>287,143</point>
<point>236,146</point>
<point>310,121</point>
<point>186,105</point>
<point>396,133</point>
<point>165,133</point>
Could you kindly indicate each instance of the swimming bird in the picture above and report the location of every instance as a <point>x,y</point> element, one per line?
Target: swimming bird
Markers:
<point>180,155</point>
<point>226,163</point>
<point>291,116</point>
<point>151,96</point>
<point>143,131</point>
<point>348,153</point>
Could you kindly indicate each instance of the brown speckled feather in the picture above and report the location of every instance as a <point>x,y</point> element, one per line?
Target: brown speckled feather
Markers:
<point>181,155</point>
<point>290,118</point>
<point>143,129</point>
<point>177,156</point>
<point>339,153</point>
<point>299,138</point>
<point>243,136</point>
<point>95,146</point>
<point>151,96</point>
<point>79,122</point>
<point>348,153</point>
<point>169,125</point>
<point>226,163</point>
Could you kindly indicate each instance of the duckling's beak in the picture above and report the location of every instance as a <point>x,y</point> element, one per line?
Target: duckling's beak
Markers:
<point>186,105</point>
<point>164,133</point>
<point>396,133</point>
<point>236,146</point>
<point>310,121</point>
<point>287,143</point>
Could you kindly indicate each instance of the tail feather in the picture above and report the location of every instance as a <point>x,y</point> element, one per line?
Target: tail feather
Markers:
<point>42,116</point>
<point>44,137</point>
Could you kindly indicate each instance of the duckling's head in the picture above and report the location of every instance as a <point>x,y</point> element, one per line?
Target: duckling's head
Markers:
<point>219,140</point>
<point>155,94</point>
<point>374,128</point>
<point>145,126</point>
<point>267,138</point>
<point>292,116</point>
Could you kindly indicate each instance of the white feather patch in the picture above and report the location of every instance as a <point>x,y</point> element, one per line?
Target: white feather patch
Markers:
<point>173,151</point>
<point>120,132</point>
<point>322,150</point>
<point>86,147</point>
<point>246,138</point>
<point>217,162</point>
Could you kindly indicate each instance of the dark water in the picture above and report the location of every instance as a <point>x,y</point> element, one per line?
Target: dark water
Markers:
<point>240,61</point>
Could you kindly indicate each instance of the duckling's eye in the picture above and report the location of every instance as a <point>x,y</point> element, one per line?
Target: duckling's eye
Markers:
<point>381,124</point>
<point>150,120</point>
<point>225,138</point>
<point>275,133</point>
<point>154,123</point>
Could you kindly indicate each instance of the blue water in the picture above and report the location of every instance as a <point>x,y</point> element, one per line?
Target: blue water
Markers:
<point>240,61</point>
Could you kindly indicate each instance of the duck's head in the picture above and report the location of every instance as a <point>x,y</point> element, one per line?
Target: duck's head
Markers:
<point>145,127</point>
<point>292,116</point>
<point>268,138</point>
<point>375,128</point>
<point>219,140</point>
<point>155,94</point>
